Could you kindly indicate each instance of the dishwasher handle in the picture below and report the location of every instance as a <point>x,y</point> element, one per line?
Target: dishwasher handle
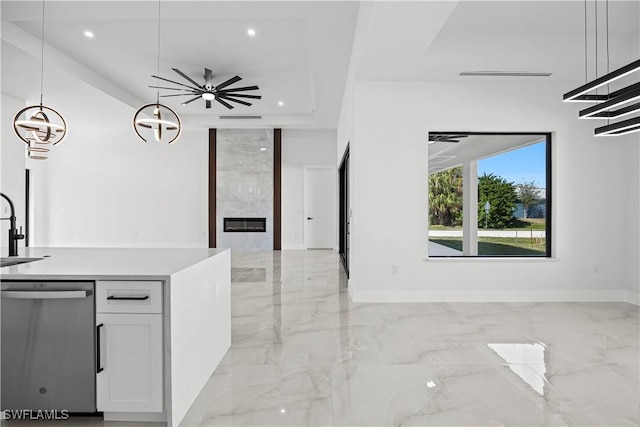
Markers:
<point>45,294</point>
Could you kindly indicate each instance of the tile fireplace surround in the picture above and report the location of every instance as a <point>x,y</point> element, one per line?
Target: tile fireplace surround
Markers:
<point>244,185</point>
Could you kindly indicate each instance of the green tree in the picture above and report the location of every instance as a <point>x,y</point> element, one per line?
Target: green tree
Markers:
<point>501,195</point>
<point>445,197</point>
<point>529,195</point>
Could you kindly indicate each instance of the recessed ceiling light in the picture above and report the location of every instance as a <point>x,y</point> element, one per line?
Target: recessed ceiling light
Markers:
<point>251,32</point>
<point>280,103</point>
<point>88,34</point>
<point>263,149</point>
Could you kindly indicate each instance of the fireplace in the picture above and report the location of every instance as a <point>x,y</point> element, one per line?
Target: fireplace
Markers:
<point>244,225</point>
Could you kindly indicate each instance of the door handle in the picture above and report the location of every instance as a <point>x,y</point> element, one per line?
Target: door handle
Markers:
<point>44,294</point>
<point>131,298</point>
<point>309,217</point>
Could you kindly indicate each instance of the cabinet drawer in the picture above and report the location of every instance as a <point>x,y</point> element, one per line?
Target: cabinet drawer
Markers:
<point>128,296</point>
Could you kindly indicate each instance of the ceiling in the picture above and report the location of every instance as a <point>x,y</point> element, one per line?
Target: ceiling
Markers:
<point>299,55</point>
<point>447,155</point>
<point>436,40</point>
<point>303,53</point>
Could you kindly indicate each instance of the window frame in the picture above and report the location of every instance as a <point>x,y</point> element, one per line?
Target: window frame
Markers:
<point>548,139</point>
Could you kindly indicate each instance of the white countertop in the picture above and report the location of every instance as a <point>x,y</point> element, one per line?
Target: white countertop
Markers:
<point>105,263</point>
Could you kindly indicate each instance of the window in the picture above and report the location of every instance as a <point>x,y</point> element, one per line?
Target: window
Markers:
<point>489,194</point>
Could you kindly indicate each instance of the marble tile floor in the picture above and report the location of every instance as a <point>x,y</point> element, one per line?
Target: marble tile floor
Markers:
<point>303,354</point>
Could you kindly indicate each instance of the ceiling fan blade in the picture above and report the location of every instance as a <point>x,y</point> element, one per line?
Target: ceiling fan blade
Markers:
<point>231,81</point>
<point>239,89</point>
<point>234,100</point>
<point>186,77</point>
<point>208,76</point>
<point>208,103</point>
<point>191,100</point>
<point>241,95</point>
<point>177,83</point>
<point>168,88</point>
<point>179,94</point>
<point>226,104</point>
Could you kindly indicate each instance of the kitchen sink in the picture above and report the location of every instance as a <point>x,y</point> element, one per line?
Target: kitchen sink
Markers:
<point>6,262</point>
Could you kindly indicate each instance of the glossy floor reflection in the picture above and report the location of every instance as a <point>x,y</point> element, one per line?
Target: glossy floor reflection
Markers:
<point>303,354</point>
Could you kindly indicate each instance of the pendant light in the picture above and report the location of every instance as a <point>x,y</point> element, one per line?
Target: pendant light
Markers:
<point>613,105</point>
<point>156,120</point>
<point>40,126</point>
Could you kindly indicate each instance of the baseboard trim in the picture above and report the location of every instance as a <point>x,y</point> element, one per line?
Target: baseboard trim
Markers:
<point>294,247</point>
<point>136,416</point>
<point>632,298</point>
<point>493,296</point>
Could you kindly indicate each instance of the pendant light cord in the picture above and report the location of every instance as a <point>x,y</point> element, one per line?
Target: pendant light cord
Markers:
<point>595,3</point>
<point>607,41</point>
<point>42,56</point>
<point>158,73</point>
<point>586,76</point>
<point>607,30</point>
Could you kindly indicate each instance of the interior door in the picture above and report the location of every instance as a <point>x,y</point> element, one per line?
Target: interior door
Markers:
<point>344,212</point>
<point>320,207</point>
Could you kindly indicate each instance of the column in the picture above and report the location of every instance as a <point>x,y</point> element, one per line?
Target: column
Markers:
<point>470,208</point>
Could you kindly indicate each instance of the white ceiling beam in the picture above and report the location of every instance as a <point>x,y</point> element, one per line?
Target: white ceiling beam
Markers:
<point>32,45</point>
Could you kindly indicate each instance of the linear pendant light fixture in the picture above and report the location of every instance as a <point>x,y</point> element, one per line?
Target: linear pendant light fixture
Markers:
<point>156,120</point>
<point>42,126</point>
<point>613,105</point>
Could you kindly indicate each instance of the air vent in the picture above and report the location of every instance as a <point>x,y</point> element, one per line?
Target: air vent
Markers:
<point>503,74</point>
<point>245,117</point>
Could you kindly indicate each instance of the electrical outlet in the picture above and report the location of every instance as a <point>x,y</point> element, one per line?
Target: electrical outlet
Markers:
<point>596,269</point>
<point>395,270</point>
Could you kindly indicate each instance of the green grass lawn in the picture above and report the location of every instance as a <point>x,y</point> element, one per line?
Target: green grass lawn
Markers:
<point>503,246</point>
<point>519,224</point>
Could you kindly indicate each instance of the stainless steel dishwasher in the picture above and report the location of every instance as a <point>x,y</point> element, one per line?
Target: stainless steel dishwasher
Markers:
<point>48,346</point>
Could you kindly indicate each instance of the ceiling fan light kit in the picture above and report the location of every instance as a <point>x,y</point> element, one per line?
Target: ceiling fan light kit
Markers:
<point>42,126</point>
<point>612,105</point>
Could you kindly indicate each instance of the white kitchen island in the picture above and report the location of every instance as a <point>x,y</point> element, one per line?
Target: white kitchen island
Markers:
<point>191,288</point>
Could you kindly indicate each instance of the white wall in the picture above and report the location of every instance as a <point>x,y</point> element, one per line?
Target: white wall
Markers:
<point>301,147</point>
<point>633,291</point>
<point>105,187</point>
<point>633,239</point>
<point>593,204</point>
<point>12,177</point>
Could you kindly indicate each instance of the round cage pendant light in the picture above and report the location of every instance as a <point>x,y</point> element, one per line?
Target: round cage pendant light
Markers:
<point>39,126</point>
<point>156,120</point>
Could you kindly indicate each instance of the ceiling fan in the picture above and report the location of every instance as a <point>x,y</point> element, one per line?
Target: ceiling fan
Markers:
<point>445,137</point>
<point>208,91</point>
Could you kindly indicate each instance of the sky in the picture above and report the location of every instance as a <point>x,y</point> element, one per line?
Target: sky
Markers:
<point>526,164</point>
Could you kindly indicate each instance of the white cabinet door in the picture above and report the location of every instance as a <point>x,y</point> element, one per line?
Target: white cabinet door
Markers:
<point>131,359</point>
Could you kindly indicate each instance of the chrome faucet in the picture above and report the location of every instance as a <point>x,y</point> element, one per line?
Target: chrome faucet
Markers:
<point>14,235</point>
